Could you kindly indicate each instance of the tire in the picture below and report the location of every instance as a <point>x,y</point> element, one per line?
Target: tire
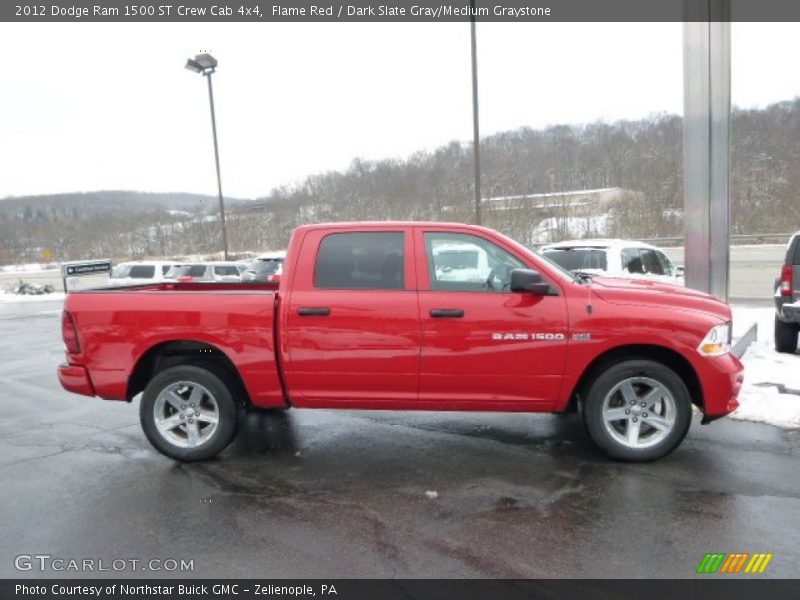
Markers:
<point>785,336</point>
<point>644,433</point>
<point>188,413</point>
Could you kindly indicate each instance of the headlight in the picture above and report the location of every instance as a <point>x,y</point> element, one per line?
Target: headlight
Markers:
<point>717,341</point>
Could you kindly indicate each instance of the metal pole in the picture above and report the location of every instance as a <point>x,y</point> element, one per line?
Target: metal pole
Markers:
<point>706,148</point>
<point>216,159</point>
<point>476,135</point>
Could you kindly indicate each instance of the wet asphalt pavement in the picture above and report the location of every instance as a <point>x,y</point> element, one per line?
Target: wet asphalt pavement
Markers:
<point>343,494</point>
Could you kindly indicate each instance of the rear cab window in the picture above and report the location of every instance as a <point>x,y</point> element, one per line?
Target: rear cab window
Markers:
<point>361,261</point>
<point>578,259</point>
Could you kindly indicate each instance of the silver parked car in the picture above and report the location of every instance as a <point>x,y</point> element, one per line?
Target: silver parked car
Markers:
<point>133,273</point>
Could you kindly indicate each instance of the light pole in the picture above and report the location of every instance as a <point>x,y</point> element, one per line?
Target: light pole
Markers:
<point>205,65</point>
<point>476,134</point>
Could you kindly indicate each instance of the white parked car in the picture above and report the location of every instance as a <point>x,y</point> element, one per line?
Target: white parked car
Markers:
<point>615,258</point>
<point>132,273</point>
<point>460,262</point>
<point>207,271</point>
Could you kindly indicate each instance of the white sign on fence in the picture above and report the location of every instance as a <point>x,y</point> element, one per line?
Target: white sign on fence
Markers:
<point>84,274</point>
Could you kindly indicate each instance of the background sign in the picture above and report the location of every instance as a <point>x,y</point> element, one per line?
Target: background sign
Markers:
<point>87,267</point>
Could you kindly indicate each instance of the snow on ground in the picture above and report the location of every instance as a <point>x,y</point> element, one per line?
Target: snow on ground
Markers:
<point>765,369</point>
<point>6,297</point>
<point>28,268</point>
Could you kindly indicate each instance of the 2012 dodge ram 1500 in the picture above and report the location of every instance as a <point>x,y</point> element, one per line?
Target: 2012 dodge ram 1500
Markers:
<point>407,316</point>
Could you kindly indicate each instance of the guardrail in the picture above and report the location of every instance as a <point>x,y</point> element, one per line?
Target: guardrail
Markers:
<point>750,238</point>
<point>741,344</point>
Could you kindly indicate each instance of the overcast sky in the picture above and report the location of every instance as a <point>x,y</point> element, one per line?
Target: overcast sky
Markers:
<point>90,106</point>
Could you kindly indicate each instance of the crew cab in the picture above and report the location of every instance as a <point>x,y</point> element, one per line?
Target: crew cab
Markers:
<point>365,317</point>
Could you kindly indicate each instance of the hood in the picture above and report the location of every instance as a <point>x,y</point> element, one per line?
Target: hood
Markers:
<point>642,292</point>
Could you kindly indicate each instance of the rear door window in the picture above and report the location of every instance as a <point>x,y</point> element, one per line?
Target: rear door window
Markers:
<point>226,271</point>
<point>196,271</point>
<point>361,261</point>
<point>142,272</point>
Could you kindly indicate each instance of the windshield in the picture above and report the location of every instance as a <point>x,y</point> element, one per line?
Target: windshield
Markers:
<point>557,269</point>
<point>578,259</point>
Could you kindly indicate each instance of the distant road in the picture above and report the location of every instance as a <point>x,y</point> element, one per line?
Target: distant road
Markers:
<point>753,271</point>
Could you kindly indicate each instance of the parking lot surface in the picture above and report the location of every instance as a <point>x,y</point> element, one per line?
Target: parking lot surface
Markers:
<point>371,494</point>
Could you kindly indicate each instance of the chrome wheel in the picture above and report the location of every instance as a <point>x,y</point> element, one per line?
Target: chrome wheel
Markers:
<point>186,414</point>
<point>639,412</point>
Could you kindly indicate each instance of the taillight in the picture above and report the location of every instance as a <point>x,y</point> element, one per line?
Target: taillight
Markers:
<point>69,333</point>
<point>786,280</point>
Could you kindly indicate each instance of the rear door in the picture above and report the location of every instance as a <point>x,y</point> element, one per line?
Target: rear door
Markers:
<point>351,330</point>
<point>483,345</point>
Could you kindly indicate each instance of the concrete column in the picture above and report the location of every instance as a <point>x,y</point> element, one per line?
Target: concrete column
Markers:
<point>706,149</point>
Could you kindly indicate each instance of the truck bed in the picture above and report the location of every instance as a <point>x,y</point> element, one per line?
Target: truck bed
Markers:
<point>120,326</point>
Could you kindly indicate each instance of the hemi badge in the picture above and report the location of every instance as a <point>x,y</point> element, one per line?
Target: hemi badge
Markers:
<point>581,337</point>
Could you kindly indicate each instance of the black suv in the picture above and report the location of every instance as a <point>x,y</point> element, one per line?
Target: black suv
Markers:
<point>787,299</point>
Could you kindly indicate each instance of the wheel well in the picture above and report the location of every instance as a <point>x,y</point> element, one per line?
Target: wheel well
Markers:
<point>186,352</point>
<point>660,354</point>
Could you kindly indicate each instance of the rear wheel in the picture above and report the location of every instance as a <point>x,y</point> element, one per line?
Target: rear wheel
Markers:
<point>188,413</point>
<point>785,336</point>
<point>638,410</point>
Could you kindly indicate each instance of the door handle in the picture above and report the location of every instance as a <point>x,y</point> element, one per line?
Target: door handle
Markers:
<point>447,313</point>
<point>314,311</point>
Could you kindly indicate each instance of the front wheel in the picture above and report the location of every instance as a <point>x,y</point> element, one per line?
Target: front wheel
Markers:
<point>638,410</point>
<point>188,413</point>
<point>785,336</point>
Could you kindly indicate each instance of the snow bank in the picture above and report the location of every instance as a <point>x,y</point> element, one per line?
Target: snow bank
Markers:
<point>761,399</point>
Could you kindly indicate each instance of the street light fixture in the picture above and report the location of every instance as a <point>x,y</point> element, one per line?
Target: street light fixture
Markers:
<point>206,65</point>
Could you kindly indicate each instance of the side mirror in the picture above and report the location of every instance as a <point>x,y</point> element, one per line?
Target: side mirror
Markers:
<point>680,271</point>
<point>530,282</point>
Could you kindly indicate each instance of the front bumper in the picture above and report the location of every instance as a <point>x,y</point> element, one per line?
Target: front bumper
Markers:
<point>721,378</point>
<point>75,379</point>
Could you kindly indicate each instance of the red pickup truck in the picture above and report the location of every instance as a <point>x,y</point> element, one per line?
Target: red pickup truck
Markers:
<point>407,316</point>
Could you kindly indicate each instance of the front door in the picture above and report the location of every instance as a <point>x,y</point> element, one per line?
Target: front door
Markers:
<point>483,345</point>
